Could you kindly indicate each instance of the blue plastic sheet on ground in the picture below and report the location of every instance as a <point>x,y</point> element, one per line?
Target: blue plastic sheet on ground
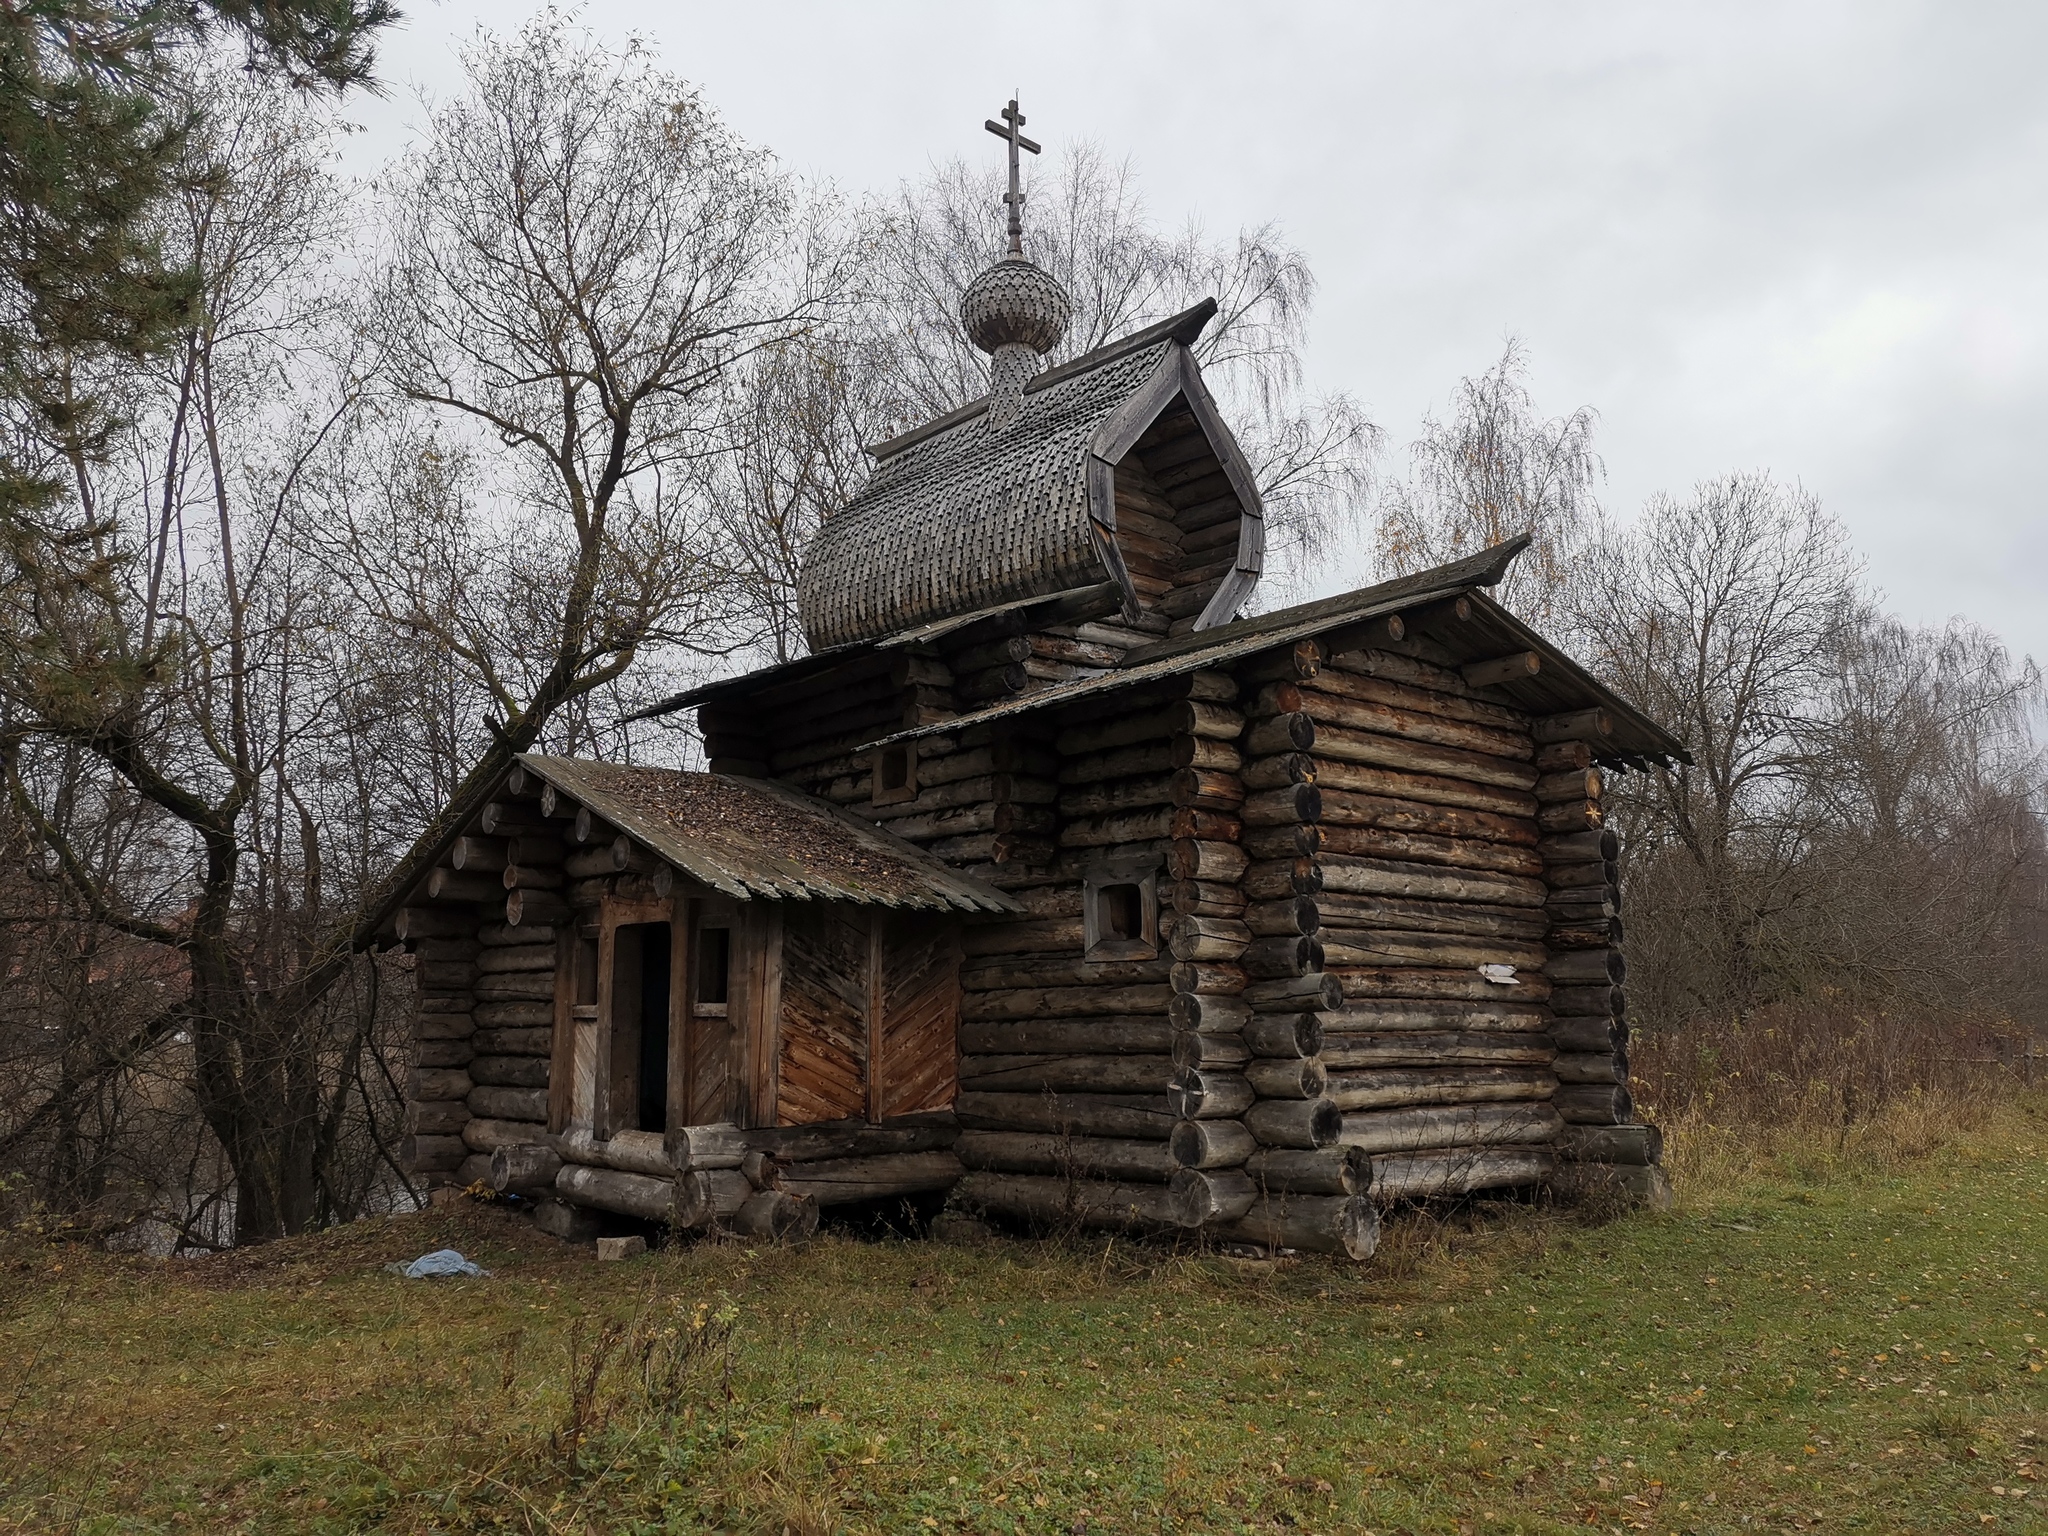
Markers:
<point>442,1261</point>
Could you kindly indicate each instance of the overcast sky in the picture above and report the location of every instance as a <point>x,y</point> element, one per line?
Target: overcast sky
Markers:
<point>1808,237</point>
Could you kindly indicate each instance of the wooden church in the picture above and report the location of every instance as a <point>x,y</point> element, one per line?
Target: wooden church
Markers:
<point>1047,887</point>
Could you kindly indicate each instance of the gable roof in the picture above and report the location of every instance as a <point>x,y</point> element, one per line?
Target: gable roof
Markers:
<point>1559,687</point>
<point>757,839</point>
<point>961,516</point>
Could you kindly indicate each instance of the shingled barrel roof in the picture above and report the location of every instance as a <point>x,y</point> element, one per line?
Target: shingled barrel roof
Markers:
<point>753,838</point>
<point>962,515</point>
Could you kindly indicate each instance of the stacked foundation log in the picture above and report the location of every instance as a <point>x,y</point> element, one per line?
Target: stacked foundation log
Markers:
<point>1067,1077</point>
<point>1429,907</point>
<point>1588,1002</point>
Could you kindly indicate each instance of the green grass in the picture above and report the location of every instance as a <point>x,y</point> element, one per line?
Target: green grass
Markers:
<point>1823,1348</point>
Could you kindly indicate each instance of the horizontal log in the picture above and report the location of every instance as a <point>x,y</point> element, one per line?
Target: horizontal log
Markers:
<point>1586,881</point>
<point>1279,807</point>
<point>426,1083</point>
<point>1205,898</point>
<point>1208,1012</point>
<point>1581,967</point>
<point>1148,1117</point>
<point>1300,841</point>
<point>1339,1224</point>
<point>1390,947</point>
<point>515,1014</point>
<point>1296,994</point>
<point>1276,879</point>
<point>1415,982</point>
<point>1606,933</point>
<point>1339,777</point>
<point>1211,1144</point>
<point>1571,817</point>
<point>1512,668</point>
<point>1085,1157</point>
<point>1111,796</point>
<point>1338,1170</point>
<point>1369,1016</point>
<point>606,1189</point>
<point>1153,758</point>
<point>443,1026</point>
<point>1573,784</point>
<point>1207,789</point>
<point>1607,1066</point>
<point>1594,1104</point>
<point>1284,1035</point>
<point>1430,882</point>
<point>1212,1052</point>
<point>628,1151</point>
<point>450,885</point>
<point>1064,1074</point>
<point>526,1169</point>
<point>1206,976</point>
<point>510,1071</point>
<point>1022,936</point>
<point>774,1215</point>
<point>1602,1033</point>
<point>528,986</point>
<point>1328,708</point>
<point>495,1103</point>
<point>535,908</point>
<point>1209,938</point>
<point>1280,735</point>
<point>1459,1171</point>
<point>1204,1197</point>
<point>1290,915</point>
<point>437,1117</point>
<point>1190,859</point>
<point>1398,1086</point>
<point>1002,972</point>
<point>1065,1002</point>
<point>1415,1048</point>
<point>486,1136</point>
<point>451,921</point>
<point>1198,1095</point>
<point>1343,808</point>
<point>1338,911</point>
<point>1061,1202</point>
<point>1296,955</point>
<point>1295,1122</point>
<point>710,1196</point>
<point>1123,1034</point>
<point>513,1042</point>
<point>1590,725</point>
<point>1279,771</point>
<point>1452,1125</point>
<point>857,1137</point>
<point>843,1181</point>
<point>520,957</point>
<point>1580,847</point>
<point>1597,999</point>
<point>1638,1144</point>
<point>444,975</point>
<point>1300,1077</point>
<point>1340,744</point>
<point>1463,853</point>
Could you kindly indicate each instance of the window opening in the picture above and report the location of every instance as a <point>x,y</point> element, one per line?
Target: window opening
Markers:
<point>714,969</point>
<point>639,1028</point>
<point>1123,911</point>
<point>895,774</point>
<point>1120,912</point>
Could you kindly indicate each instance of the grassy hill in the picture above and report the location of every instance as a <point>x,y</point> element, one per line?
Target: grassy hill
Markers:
<point>1823,1343</point>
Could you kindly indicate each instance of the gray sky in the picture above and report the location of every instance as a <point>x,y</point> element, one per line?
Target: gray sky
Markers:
<point>1809,237</point>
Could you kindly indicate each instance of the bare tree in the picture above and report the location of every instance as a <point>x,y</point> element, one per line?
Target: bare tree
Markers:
<point>1497,468</point>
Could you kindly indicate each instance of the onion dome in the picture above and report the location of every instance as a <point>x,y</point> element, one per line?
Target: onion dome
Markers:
<point>1015,302</point>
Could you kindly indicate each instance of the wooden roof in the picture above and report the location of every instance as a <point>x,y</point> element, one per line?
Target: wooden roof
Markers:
<point>963,515</point>
<point>760,840</point>
<point>1561,686</point>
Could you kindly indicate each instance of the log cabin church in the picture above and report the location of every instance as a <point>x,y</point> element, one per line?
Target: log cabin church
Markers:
<point>1049,886</point>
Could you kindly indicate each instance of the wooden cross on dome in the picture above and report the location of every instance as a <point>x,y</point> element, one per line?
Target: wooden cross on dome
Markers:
<point>1015,196</point>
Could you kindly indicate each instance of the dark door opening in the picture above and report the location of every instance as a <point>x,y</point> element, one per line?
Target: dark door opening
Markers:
<point>654,981</point>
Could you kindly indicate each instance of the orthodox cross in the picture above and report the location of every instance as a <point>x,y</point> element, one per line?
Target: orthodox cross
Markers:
<point>1007,130</point>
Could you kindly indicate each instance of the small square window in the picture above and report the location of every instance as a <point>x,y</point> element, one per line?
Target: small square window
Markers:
<point>895,775</point>
<point>1120,912</point>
